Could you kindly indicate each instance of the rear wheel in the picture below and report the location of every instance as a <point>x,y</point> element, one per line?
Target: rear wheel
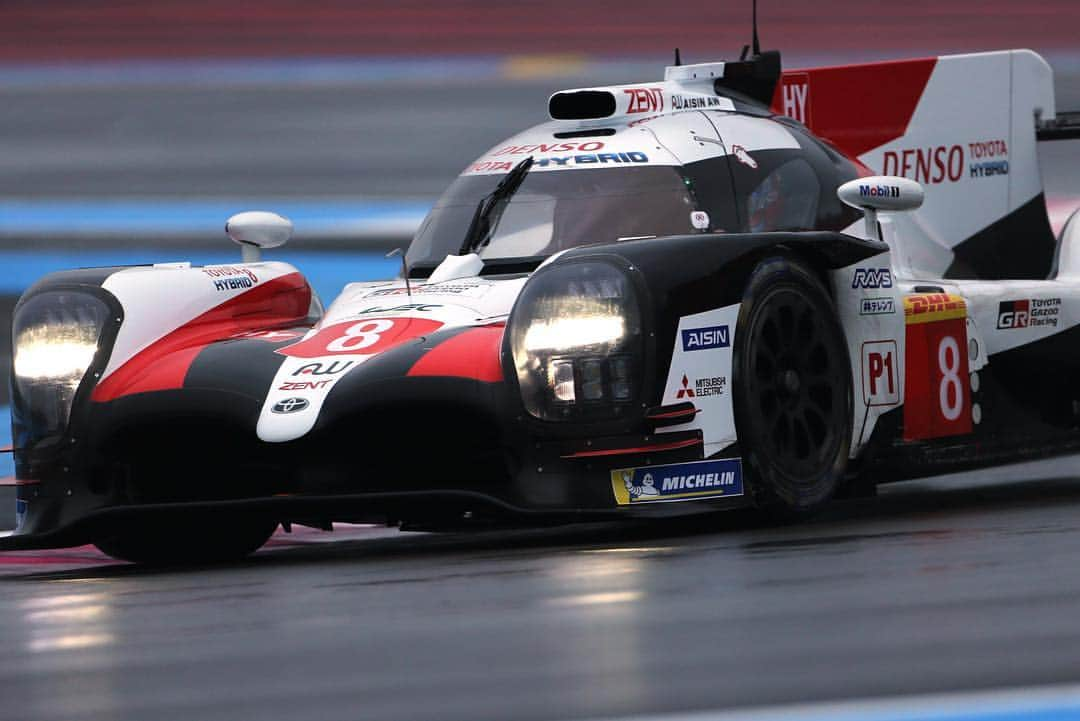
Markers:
<point>791,380</point>
<point>186,540</point>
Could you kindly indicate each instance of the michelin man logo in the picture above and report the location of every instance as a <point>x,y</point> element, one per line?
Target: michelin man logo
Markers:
<point>647,487</point>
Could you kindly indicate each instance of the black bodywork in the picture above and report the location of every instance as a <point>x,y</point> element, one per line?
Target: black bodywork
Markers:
<point>387,447</point>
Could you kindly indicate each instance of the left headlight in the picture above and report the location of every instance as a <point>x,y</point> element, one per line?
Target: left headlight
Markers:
<point>55,337</point>
<point>575,335</point>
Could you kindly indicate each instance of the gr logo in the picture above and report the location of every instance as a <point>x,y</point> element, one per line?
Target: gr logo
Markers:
<point>872,278</point>
<point>716,336</point>
<point>1014,314</point>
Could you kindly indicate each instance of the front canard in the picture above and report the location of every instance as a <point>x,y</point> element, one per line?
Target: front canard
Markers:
<point>678,481</point>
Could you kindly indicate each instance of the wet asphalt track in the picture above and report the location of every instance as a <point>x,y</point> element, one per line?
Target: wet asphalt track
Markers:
<point>960,583</point>
<point>967,582</point>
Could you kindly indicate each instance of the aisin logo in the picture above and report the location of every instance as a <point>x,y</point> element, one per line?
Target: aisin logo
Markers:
<point>290,405</point>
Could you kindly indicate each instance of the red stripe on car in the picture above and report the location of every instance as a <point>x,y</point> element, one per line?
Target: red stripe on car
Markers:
<point>164,364</point>
<point>473,353</point>
<point>855,107</point>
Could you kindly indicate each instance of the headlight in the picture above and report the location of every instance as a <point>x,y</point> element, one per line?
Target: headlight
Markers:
<point>55,337</point>
<point>575,335</point>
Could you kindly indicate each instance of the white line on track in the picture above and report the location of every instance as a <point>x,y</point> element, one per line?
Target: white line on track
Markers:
<point>1029,703</point>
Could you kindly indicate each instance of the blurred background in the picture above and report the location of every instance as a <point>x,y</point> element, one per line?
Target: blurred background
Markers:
<point>130,130</point>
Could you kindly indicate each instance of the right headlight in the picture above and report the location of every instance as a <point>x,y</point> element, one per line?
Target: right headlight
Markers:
<point>55,337</point>
<point>575,335</point>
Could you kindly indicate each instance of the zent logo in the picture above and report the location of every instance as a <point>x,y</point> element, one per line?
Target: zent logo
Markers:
<point>290,405</point>
<point>880,386</point>
<point>645,100</point>
<point>369,336</point>
<point>716,336</point>
<point>872,278</point>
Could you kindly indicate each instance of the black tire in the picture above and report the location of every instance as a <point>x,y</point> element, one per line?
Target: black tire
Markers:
<point>791,380</point>
<point>189,540</point>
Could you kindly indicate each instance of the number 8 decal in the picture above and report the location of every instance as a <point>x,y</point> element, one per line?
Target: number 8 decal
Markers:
<point>950,392</point>
<point>361,335</point>
<point>937,400</point>
<point>369,336</point>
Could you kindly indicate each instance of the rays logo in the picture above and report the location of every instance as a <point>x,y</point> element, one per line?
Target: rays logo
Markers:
<point>290,405</point>
<point>872,278</point>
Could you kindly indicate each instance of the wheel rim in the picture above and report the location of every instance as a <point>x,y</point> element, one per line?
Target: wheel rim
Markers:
<point>795,386</point>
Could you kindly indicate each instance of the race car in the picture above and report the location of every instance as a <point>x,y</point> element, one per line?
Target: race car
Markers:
<point>736,287</point>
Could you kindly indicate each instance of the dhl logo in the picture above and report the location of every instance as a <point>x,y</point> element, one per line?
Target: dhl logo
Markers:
<point>931,307</point>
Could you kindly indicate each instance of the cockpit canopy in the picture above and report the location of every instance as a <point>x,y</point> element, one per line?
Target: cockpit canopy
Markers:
<point>653,176</point>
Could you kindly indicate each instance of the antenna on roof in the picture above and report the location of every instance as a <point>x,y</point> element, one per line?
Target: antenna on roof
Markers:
<point>678,60</point>
<point>757,43</point>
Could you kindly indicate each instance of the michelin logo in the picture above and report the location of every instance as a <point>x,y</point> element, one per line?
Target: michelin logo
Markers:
<point>716,336</point>
<point>678,481</point>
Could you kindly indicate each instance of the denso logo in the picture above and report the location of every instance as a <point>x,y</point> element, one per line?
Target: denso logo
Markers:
<point>585,147</point>
<point>872,278</point>
<point>927,165</point>
<point>879,191</point>
<point>716,336</point>
<point>645,100</point>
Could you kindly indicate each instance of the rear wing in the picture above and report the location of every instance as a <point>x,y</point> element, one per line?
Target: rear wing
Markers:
<point>966,128</point>
<point>1066,126</point>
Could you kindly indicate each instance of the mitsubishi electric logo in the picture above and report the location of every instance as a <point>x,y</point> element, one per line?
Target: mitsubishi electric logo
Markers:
<point>290,405</point>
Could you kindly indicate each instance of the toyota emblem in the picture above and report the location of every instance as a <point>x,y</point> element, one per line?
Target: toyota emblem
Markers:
<point>290,405</point>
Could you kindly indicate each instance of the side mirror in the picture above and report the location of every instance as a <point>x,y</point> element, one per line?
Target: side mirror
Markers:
<point>880,192</point>
<point>258,229</point>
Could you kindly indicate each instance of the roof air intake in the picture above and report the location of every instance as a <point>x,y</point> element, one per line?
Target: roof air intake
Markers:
<point>582,105</point>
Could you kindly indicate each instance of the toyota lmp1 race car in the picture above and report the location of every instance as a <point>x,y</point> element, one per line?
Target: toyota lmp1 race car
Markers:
<point>673,297</point>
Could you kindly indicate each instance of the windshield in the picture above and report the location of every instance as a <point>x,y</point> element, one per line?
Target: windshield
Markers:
<point>555,210</point>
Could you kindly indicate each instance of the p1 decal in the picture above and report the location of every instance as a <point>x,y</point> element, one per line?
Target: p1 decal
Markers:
<point>881,385</point>
<point>369,336</point>
<point>678,481</point>
<point>937,400</point>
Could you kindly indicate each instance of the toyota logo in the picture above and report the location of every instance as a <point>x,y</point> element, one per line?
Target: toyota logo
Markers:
<point>290,405</point>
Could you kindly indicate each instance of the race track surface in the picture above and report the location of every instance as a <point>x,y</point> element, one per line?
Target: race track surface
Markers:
<point>962,583</point>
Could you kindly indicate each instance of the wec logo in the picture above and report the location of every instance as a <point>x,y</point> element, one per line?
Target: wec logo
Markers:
<point>716,336</point>
<point>872,278</point>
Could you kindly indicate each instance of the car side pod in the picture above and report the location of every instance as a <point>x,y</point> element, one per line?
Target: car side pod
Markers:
<point>254,230</point>
<point>880,192</point>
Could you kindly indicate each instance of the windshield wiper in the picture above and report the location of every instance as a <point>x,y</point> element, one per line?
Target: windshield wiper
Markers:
<point>490,208</point>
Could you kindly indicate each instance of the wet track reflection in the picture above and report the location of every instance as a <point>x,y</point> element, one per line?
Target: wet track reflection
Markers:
<point>962,582</point>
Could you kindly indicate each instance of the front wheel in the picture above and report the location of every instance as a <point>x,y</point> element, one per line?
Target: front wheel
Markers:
<point>186,540</point>
<point>791,379</point>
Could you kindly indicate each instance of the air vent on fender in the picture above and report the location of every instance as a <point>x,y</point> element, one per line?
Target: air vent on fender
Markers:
<point>582,105</point>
